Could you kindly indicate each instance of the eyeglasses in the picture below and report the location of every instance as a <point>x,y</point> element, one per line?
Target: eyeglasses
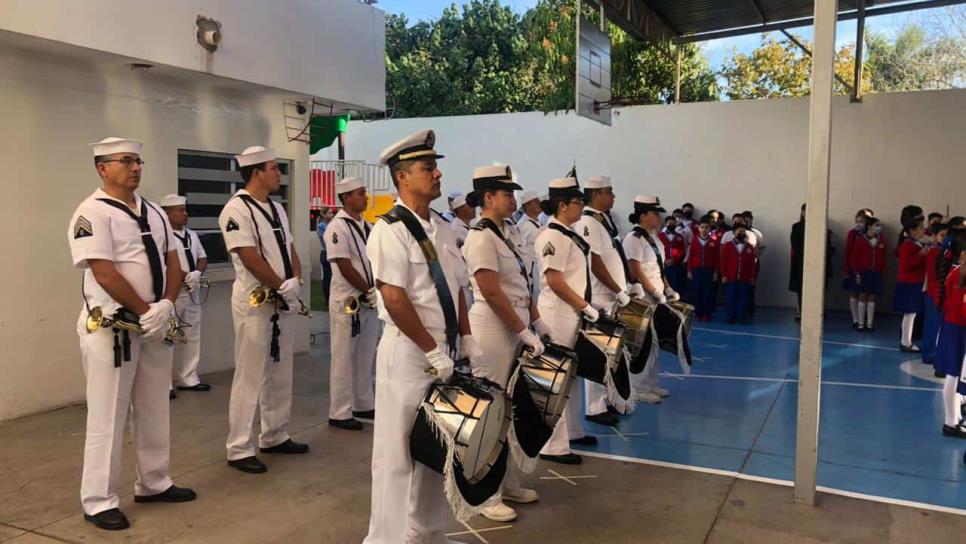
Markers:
<point>575,201</point>
<point>127,161</point>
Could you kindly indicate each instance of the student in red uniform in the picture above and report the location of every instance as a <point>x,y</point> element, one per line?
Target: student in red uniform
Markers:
<point>952,337</point>
<point>930,295</point>
<point>911,275</point>
<point>857,230</point>
<point>738,274</point>
<point>675,248</point>
<point>703,269</point>
<point>866,263</point>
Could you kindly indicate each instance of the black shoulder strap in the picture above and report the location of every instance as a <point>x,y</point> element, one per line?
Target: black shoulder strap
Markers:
<point>435,270</point>
<point>364,235</point>
<point>277,228</point>
<point>642,233</point>
<point>186,243</point>
<point>486,223</point>
<point>584,247</point>
<point>611,229</point>
<point>150,247</point>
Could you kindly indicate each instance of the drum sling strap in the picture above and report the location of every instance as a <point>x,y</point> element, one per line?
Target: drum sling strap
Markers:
<point>611,229</point>
<point>584,247</point>
<point>154,262</point>
<point>276,223</point>
<point>488,224</point>
<point>642,233</point>
<point>435,270</point>
<point>364,235</point>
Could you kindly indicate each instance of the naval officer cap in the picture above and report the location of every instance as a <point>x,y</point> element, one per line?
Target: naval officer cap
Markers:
<point>564,188</point>
<point>419,145</point>
<point>647,203</point>
<point>597,182</point>
<point>494,177</point>
<point>348,185</point>
<point>170,201</point>
<point>112,145</point>
<point>255,154</point>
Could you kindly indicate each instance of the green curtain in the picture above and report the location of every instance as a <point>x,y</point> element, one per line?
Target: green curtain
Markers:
<point>324,130</point>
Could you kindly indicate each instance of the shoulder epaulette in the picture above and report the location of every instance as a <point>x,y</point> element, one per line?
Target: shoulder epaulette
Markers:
<point>390,218</point>
<point>477,227</point>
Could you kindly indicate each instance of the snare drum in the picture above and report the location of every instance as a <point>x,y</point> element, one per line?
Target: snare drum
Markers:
<point>599,346</point>
<point>548,379</point>
<point>637,314</point>
<point>687,313</point>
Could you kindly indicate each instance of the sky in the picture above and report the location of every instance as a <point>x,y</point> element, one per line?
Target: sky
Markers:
<point>717,51</point>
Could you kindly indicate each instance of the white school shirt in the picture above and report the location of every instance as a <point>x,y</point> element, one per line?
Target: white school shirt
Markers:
<point>556,251</point>
<point>484,250</point>
<point>242,226</point>
<point>591,230</point>
<point>398,260</point>
<point>194,244</point>
<point>638,249</point>
<point>343,241</point>
<point>100,231</point>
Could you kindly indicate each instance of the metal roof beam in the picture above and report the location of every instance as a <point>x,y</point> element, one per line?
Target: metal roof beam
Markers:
<point>639,19</point>
<point>809,21</point>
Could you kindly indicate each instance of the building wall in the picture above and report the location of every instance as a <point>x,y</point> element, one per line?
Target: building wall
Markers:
<point>51,108</point>
<point>325,48</point>
<point>888,151</point>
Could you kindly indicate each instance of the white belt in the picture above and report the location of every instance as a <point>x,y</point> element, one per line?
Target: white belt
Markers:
<point>518,303</point>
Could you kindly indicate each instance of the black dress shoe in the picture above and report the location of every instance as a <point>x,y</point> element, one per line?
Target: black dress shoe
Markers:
<point>172,395</point>
<point>939,374</point>
<point>196,387</point>
<point>347,424</point>
<point>609,420</point>
<point>364,414</point>
<point>250,465</point>
<point>172,494</point>
<point>956,431</point>
<point>855,325</point>
<point>586,440</point>
<point>287,447</point>
<point>613,411</point>
<point>567,459</point>
<point>109,520</point>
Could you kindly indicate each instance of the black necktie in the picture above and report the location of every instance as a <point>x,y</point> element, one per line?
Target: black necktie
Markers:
<point>186,242</point>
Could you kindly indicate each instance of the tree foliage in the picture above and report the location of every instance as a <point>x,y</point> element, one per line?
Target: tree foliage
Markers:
<point>914,61</point>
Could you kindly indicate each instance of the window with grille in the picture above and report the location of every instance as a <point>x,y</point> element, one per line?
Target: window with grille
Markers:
<point>208,180</point>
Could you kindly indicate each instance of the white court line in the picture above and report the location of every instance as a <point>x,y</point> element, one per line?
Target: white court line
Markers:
<point>795,338</point>
<point>793,380</point>
<point>476,532</point>
<point>784,483</point>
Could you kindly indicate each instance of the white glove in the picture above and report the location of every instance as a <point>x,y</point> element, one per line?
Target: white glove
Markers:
<point>542,328</point>
<point>671,294</point>
<point>440,363</point>
<point>590,313</point>
<point>289,289</point>
<point>370,297</point>
<point>469,349</point>
<point>623,299</point>
<point>531,340</point>
<point>636,290</point>
<point>657,298</point>
<point>193,280</point>
<point>155,320</point>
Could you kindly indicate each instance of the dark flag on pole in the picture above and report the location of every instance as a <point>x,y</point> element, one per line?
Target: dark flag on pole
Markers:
<point>573,173</point>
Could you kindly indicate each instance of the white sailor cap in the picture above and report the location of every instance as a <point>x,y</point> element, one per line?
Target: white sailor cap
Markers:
<point>172,200</point>
<point>459,201</point>
<point>528,196</point>
<point>648,203</point>
<point>597,182</point>
<point>494,177</point>
<point>348,185</point>
<point>255,154</point>
<point>419,145</point>
<point>564,187</point>
<point>112,145</point>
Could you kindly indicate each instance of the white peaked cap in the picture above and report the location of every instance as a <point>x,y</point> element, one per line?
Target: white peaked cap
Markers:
<point>459,201</point>
<point>597,182</point>
<point>528,196</point>
<point>112,145</point>
<point>348,185</point>
<point>255,154</point>
<point>173,200</point>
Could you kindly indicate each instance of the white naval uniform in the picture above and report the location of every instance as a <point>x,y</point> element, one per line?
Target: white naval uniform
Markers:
<point>529,229</point>
<point>259,383</point>
<point>353,358</point>
<point>484,250</point>
<point>638,249</point>
<point>408,503</point>
<point>187,356</point>
<point>462,230</point>
<point>558,252</point>
<point>100,231</point>
<point>601,244</point>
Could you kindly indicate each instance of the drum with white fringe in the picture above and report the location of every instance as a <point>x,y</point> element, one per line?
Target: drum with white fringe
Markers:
<point>602,358</point>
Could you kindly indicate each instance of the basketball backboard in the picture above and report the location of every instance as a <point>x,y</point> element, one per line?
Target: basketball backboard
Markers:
<point>593,72</point>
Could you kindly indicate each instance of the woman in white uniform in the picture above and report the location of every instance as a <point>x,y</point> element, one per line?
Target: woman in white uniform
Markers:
<point>563,258</point>
<point>502,309</point>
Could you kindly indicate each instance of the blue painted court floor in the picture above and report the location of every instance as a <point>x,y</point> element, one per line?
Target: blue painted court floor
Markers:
<point>880,429</point>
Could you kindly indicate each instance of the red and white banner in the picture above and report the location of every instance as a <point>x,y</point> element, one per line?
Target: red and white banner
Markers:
<point>321,189</point>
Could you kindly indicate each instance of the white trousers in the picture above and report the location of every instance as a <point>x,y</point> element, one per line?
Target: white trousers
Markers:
<point>408,503</point>
<point>647,380</point>
<point>187,356</point>
<point>595,394</point>
<point>564,324</point>
<point>353,362</point>
<point>139,386</point>
<point>259,382</point>
<point>499,345</point>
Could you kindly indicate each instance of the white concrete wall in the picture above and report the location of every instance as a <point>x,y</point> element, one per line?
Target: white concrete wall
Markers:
<point>51,107</point>
<point>325,48</point>
<point>888,151</point>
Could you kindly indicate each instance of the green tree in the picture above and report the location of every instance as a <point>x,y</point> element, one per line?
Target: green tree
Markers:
<point>914,61</point>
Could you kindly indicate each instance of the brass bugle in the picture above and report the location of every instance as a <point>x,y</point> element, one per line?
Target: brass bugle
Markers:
<point>351,306</point>
<point>262,294</point>
<point>96,320</point>
<point>203,283</point>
